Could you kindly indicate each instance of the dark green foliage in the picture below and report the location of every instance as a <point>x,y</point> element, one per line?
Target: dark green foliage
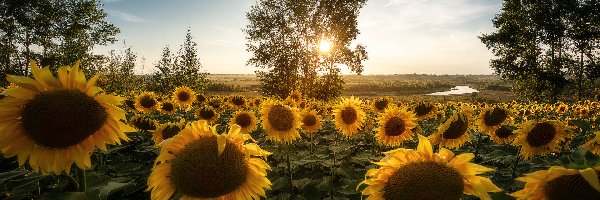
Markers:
<point>179,70</point>
<point>283,37</point>
<point>53,32</point>
<point>548,48</point>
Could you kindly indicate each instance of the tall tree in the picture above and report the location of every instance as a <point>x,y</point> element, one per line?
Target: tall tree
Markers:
<point>181,69</point>
<point>54,32</point>
<point>284,37</point>
<point>541,45</point>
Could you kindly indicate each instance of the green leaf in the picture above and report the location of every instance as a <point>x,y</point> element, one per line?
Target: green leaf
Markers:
<point>6,176</point>
<point>502,196</point>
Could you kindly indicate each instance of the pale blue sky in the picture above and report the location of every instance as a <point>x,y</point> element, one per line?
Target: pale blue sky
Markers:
<point>402,36</point>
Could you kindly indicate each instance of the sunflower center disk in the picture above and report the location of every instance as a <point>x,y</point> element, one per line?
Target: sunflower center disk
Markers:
<point>281,118</point>
<point>503,132</point>
<point>238,101</point>
<point>147,102</point>
<point>423,109</point>
<point>309,120</point>
<point>569,187</point>
<point>170,131</point>
<point>183,96</point>
<point>394,126</point>
<point>381,104</point>
<point>349,115</point>
<point>199,171</point>
<point>456,129</point>
<point>167,107</point>
<point>207,114</point>
<point>200,98</point>
<point>130,103</point>
<point>495,117</point>
<point>426,181</point>
<point>541,134</point>
<point>144,124</point>
<point>62,118</point>
<point>243,120</point>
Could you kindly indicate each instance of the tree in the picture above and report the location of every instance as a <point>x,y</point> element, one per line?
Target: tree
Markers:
<point>182,69</point>
<point>54,32</point>
<point>546,46</point>
<point>284,38</point>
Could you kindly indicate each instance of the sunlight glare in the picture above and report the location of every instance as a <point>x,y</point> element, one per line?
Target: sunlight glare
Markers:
<point>325,46</point>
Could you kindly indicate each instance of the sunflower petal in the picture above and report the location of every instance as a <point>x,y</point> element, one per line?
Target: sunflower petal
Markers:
<point>591,177</point>
<point>221,141</point>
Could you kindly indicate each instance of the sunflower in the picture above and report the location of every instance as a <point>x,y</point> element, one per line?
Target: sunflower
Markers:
<point>201,98</point>
<point>130,104</point>
<point>184,96</point>
<point>311,122</point>
<point>198,163</point>
<point>422,174</point>
<point>237,102</point>
<point>167,108</point>
<point>167,131</point>
<point>424,110</point>
<point>455,131</point>
<point>540,137</point>
<point>504,134</point>
<point>349,117</point>
<point>258,101</point>
<point>594,144</point>
<point>280,121</point>
<point>492,118</point>
<point>56,122</point>
<point>146,102</point>
<point>295,96</point>
<point>207,113</point>
<point>245,119</point>
<point>395,126</point>
<point>142,122</point>
<point>562,108</point>
<point>560,183</point>
<point>380,104</point>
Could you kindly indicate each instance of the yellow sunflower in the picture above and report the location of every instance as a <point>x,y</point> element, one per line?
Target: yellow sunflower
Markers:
<point>245,119</point>
<point>142,122</point>
<point>198,163</point>
<point>167,131</point>
<point>56,122</point>
<point>295,97</point>
<point>130,104</point>
<point>424,110</point>
<point>167,107</point>
<point>183,96</point>
<point>238,102</point>
<point>594,144</point>
<point>201,98</point>
<point>382,103</point>
<point>349,117</point>
<point>423,174</point>
<point>504,134</point>
<point>455,131</point>
<point>560,183</point>
<point>207,113</point>
<point>491,118</point>
<point>540,137</point>
<point>395,126</point>
<point>311,122</point>
<point>562,108</point>
<point>281,122</point>
<point>146,102</point>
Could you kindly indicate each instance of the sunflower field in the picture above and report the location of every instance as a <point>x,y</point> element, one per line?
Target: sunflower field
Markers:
<point>62,137</point>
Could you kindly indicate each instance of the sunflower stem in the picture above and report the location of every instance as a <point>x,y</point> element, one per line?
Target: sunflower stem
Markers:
<point>514,167</point>
<point>81,182</point>
<point>478,145</point>
<point>335,138</point>
<point>289,167</point>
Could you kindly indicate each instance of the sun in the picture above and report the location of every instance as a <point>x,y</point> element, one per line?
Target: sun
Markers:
<point>325,46</point>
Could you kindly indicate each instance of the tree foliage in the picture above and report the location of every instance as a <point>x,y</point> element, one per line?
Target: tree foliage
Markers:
<point>179,70</point>
<point>284,36</point>
<point>54,32</point>
<point>547,47</point>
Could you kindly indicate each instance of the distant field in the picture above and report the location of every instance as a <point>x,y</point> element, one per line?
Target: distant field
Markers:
<point>491,87</point>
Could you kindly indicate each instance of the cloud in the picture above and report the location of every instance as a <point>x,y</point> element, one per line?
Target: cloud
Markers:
<point>126,16</point>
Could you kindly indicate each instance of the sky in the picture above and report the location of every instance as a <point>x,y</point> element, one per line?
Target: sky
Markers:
<point>401,36</point>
